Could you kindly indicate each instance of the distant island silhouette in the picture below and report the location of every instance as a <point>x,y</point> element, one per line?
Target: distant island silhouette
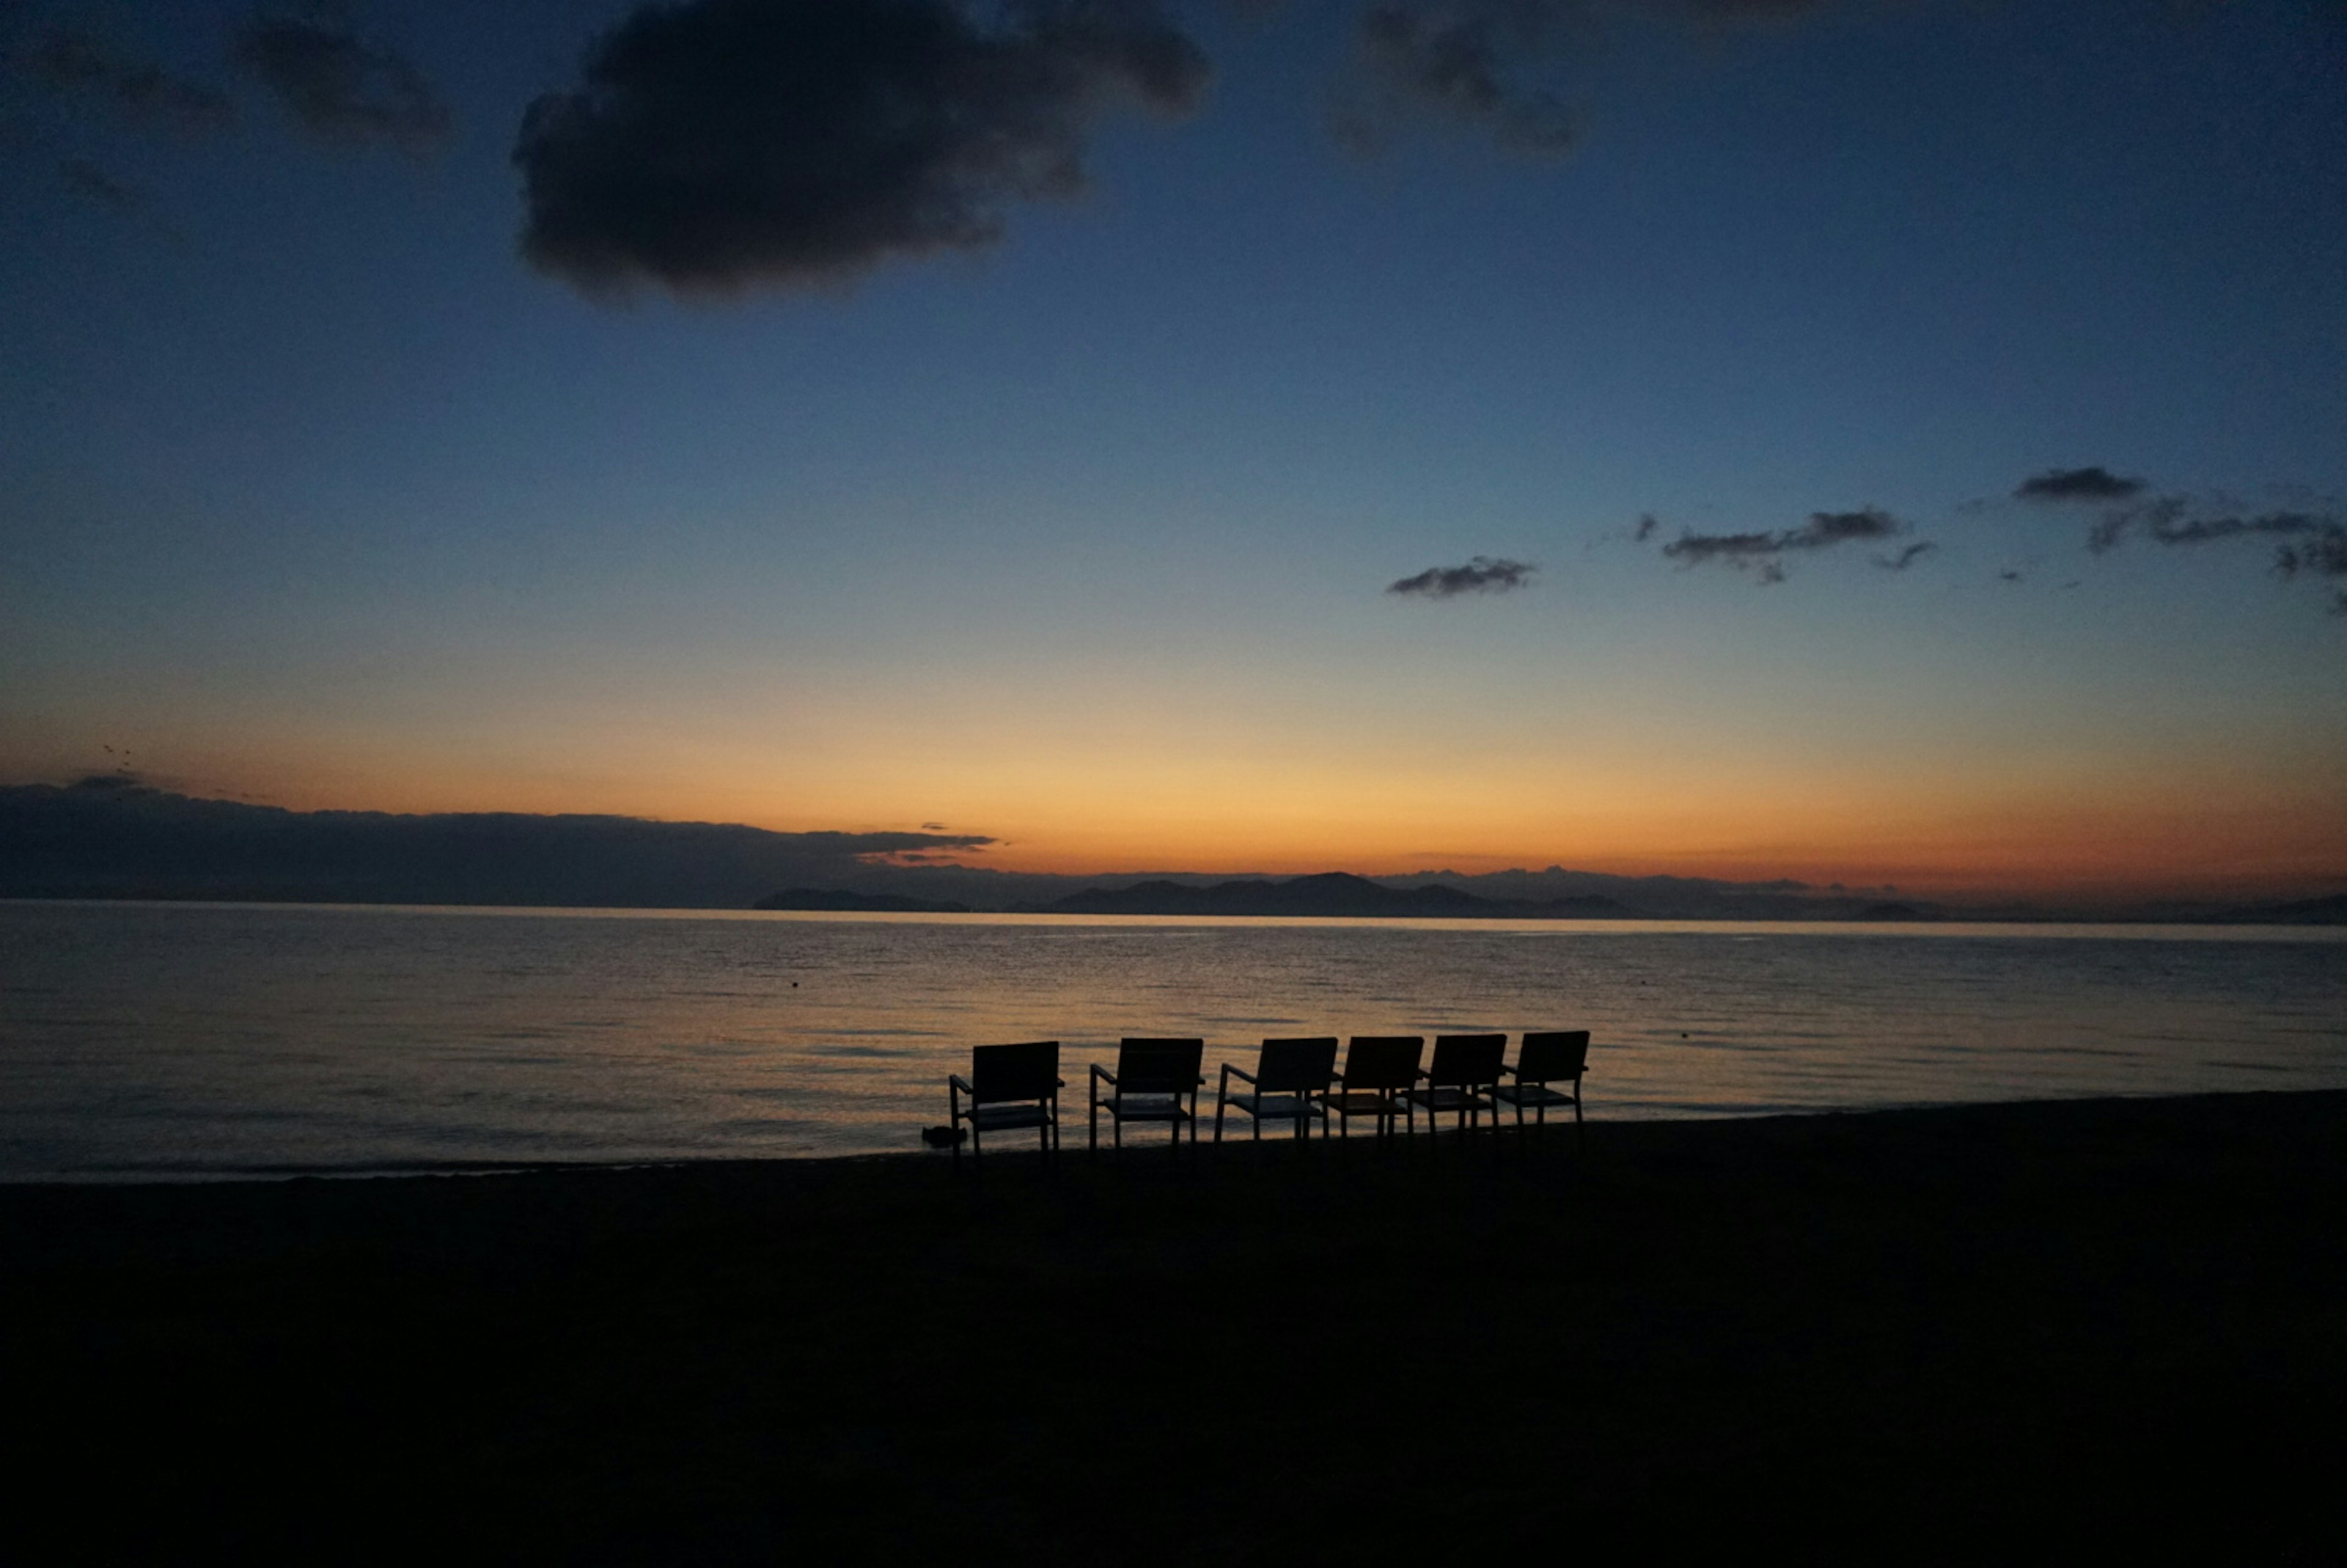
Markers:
<point>1328,894</point>
<point>113,836</point>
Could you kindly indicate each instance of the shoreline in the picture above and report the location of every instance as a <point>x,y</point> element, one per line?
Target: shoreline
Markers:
<point>2073,1325</point>
<point>1072,1147</point>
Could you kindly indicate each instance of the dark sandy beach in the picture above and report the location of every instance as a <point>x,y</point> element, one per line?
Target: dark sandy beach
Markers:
<point>2022,1332</point>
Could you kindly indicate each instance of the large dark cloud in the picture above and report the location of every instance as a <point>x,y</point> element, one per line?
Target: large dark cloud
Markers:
<point>110,835</point>
<point>68,61</point>
<point>1761,553</point>
<point>1484,574</point>
<point>2097,484</point>
<point>718,145</point>
<point>340,87</point>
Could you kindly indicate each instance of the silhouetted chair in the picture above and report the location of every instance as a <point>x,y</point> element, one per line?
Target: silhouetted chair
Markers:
<point>1151,1080</point>
<point>1380,1071</point>
<point>1465,1072</point>
<point>1009,1087</point>
<point>1289,1077</point>
<point>1558,1056</point>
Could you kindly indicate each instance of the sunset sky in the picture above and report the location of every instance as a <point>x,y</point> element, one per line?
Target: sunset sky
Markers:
<point>1056,423</point>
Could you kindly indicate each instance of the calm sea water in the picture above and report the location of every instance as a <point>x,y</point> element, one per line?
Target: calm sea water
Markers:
<point>198,1040</point>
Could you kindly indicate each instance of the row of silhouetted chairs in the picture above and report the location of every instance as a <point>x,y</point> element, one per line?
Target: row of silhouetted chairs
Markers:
<point>1386,1078</point>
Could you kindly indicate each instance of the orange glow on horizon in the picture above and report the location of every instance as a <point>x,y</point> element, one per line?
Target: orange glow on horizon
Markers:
<point>1933,827</point>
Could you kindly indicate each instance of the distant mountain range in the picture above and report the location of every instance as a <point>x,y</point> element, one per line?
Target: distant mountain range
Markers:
<point>115,838</point>
<point>1332,893</point>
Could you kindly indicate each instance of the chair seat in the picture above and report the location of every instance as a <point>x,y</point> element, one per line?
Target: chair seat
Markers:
<point>994,1118</point>
<point>1449,1099</point>
<point>1277,1105</point>
<point>1146,1108</point>
<point>1357,1102</point>
<point>1531,1094</point>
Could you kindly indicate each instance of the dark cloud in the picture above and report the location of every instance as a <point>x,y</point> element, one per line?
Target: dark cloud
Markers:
<point>341,88</point>
<point>1693,549</point>
<point>68,61</point>
<point>1826,528</point>
<point>2009,574</point>
<point>1647,524</point>
<point>2095,484</point>
<point>86,179</point>
<point>718,145</point>
<point>1761,553</point>
<point>1455,64</point>
<point>1484,574</point>
<point>1907,557</point>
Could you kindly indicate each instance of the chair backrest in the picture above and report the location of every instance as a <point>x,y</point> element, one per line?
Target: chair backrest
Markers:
<point>1158,1066</point>
<point>1029,1071</point>
<point>1559,1053</point>
<point>1296,1066</point>
<point>1383,1061</point>
<point>1467,1060</point>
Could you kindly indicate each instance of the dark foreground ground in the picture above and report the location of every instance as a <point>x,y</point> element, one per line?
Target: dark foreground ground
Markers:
<point>2021,1333</point>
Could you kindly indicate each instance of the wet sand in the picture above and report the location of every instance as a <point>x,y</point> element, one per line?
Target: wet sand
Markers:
<point>2018,1331</point>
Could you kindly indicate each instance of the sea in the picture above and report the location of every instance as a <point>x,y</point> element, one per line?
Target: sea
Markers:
<point>194,1041</point>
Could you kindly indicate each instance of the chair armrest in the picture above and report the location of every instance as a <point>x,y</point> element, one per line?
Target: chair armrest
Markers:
<point>1506,1071</point>
<point>1230,1072</point>
<point>1100,1072</point>
<point>957,1081</point>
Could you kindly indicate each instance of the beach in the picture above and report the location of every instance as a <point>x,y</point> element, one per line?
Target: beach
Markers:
<point>2033,1329</point>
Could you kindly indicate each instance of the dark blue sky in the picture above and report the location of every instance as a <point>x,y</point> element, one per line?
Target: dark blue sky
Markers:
<point>318,493</point>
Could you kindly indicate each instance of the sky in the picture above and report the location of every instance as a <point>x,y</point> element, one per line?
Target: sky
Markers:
<point>1891,442</point>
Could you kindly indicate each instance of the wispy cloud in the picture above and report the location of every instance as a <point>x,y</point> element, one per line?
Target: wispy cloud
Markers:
<point>2310,542</point>
<point>1906,558</point>
<point>1455,64</point>
<point>341,88</point>
<point>1476,64</point>
<point>65,60</point>
<point>1484,574</point>
<point>718,145</point>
